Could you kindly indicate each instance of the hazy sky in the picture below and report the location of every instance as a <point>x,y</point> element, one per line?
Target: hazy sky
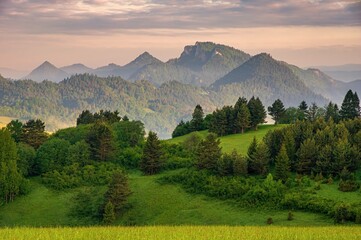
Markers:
<point>98,32</point>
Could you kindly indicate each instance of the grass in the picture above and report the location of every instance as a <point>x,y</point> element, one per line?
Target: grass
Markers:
<point>332,192</point>
<point>239,142</point>
<point>4,121</point>
<point>183,233</point>
<point>41,207</point>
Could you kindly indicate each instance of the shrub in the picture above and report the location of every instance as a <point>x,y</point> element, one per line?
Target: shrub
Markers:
<point>290,216</point>
<point>269,221</point>
<point>348,186</point>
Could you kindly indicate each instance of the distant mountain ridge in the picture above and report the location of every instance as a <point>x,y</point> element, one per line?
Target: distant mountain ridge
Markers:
<point>47,71</point>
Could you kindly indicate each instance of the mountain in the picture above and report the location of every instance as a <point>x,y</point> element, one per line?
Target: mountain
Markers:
<point>345,73</point>
<point>200,64</point>
<point>47,71</point>
<point>12,73</point>
<point>129,69</point>
<point>268,79</point>
<point>59,104</point>
<point>77,68</point>
<point>355,86</point>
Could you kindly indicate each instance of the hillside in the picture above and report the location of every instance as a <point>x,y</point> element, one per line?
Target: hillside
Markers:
<point>267,78</point>
<point>200,64</point>
<point>239,142</point>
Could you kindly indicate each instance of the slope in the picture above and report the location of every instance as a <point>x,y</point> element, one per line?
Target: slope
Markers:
<point>267,78</point>
<point>47,71</point>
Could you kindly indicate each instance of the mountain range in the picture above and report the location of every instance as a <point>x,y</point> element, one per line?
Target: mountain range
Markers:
<point>162,93</point>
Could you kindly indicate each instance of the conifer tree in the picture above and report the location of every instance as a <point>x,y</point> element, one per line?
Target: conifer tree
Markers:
<point>15,127</point>
<point>303,110</point>
<point>118,191</point>
<point>257,111</point>
<point>109,213</point>
<point>197,119</point>
<point>350,107</point>
<point>332,112</point>
<point>34,133</point>
<point>208,153</point>
<point>258,157</point>
<point>242,120</point>
<point>85,117</point>
<point>277,110</point>
<point>282,165</point>
<point>251,154</point>
<point>151,161</point>
<point>101,141</point>
<point>307,156</point>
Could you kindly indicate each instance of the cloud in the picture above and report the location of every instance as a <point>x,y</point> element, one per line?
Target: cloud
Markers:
<point>107,16</point>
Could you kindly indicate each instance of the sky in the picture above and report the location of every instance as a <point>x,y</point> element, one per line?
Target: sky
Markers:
<point>98,32</point>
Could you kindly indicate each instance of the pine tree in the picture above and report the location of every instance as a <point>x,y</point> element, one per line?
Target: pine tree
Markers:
<point>282,166</point>
<point>101,141</point>
<point>277,110</point>
<point>151,161</point>
<point>34,133</point>
<point>307,156</point>
<point>350,107</point>
<point>290,144</point>
<point>208,153</point>
<point>251,155</point>
<point>258,158</point>
<point>118,191</point>
<point>86,117</point>
<point>332,112</point>
<point>257,111</point>
<point>242,120</point>
<point>303,111</point>
<point>197,119</point>
<point>109,213</point>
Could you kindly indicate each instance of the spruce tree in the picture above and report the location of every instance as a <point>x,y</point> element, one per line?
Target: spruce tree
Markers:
<point>261,159</point>
<point>312,112</point>
<point>282,165</point>
<point>251,155</point>
<point>197,119</point>
<point>208,153</point>
<point>277,110</point>
<point>85,117</point>
<point>303,110</point>
<point>151,162</point>
<point>109,213</point>
<point>101,141</point>
<point>118,191</point>
<point>332,112</point>
<point>257,111</point>
<point>242,120</point>
<point>350,107</point>
<point>307,156</point>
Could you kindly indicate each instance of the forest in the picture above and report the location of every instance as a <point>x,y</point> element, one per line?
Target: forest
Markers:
<point>284,170</point>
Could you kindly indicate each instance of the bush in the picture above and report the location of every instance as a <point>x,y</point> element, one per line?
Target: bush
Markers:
<point>290,216</point>
<point>269,221</point>
<point>348,186</point>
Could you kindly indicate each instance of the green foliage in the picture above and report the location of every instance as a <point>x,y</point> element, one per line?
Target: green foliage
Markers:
<point>101,141</point>
<point>109,213</point>
<point>129,157</point>
<point>15,127</point>
<point>350,107</point>
<point>128,133</point>
<point>86,117</point>
<point>208,153</point>
<point>277,110</point>
<point>257,111</point>
<point>52,155</point>
<point>307,155</point>
<point>10,178</point>
<point>258,159</point>
<point>79,153</point>
<point>117,194</point>
<point>151,162</point>
<point>73,134</point>
<point>282,166</point>
<point>26,159</point>
<point>33,133</point>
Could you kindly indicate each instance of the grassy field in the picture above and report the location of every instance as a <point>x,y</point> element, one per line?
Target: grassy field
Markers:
<point>240,142</point>
<point>183,233</point>
<point>4,121</point>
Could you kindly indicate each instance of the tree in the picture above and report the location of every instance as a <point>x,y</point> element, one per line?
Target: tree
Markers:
<point>118,191</point>
<point>34,133</point>
<point>26,159</point>
<point>208,153</point>
<point>258,157</point>
<point>312,112</point>
<point>307,156</point>
<point>10,178</point>
<point>242,120</point>
<point>332,112</point>
<point>101,141</point>
<point>277,110</point>
<point>196,123</point>
<point>109,214</point>
<point>282,166</point>
<point>86,117</point>
<point>151,162</point>
<point>79,153</point>
<point>15,127</point>
<point>350,107</point>
<point>303,109</point>
<point>257,111</point>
